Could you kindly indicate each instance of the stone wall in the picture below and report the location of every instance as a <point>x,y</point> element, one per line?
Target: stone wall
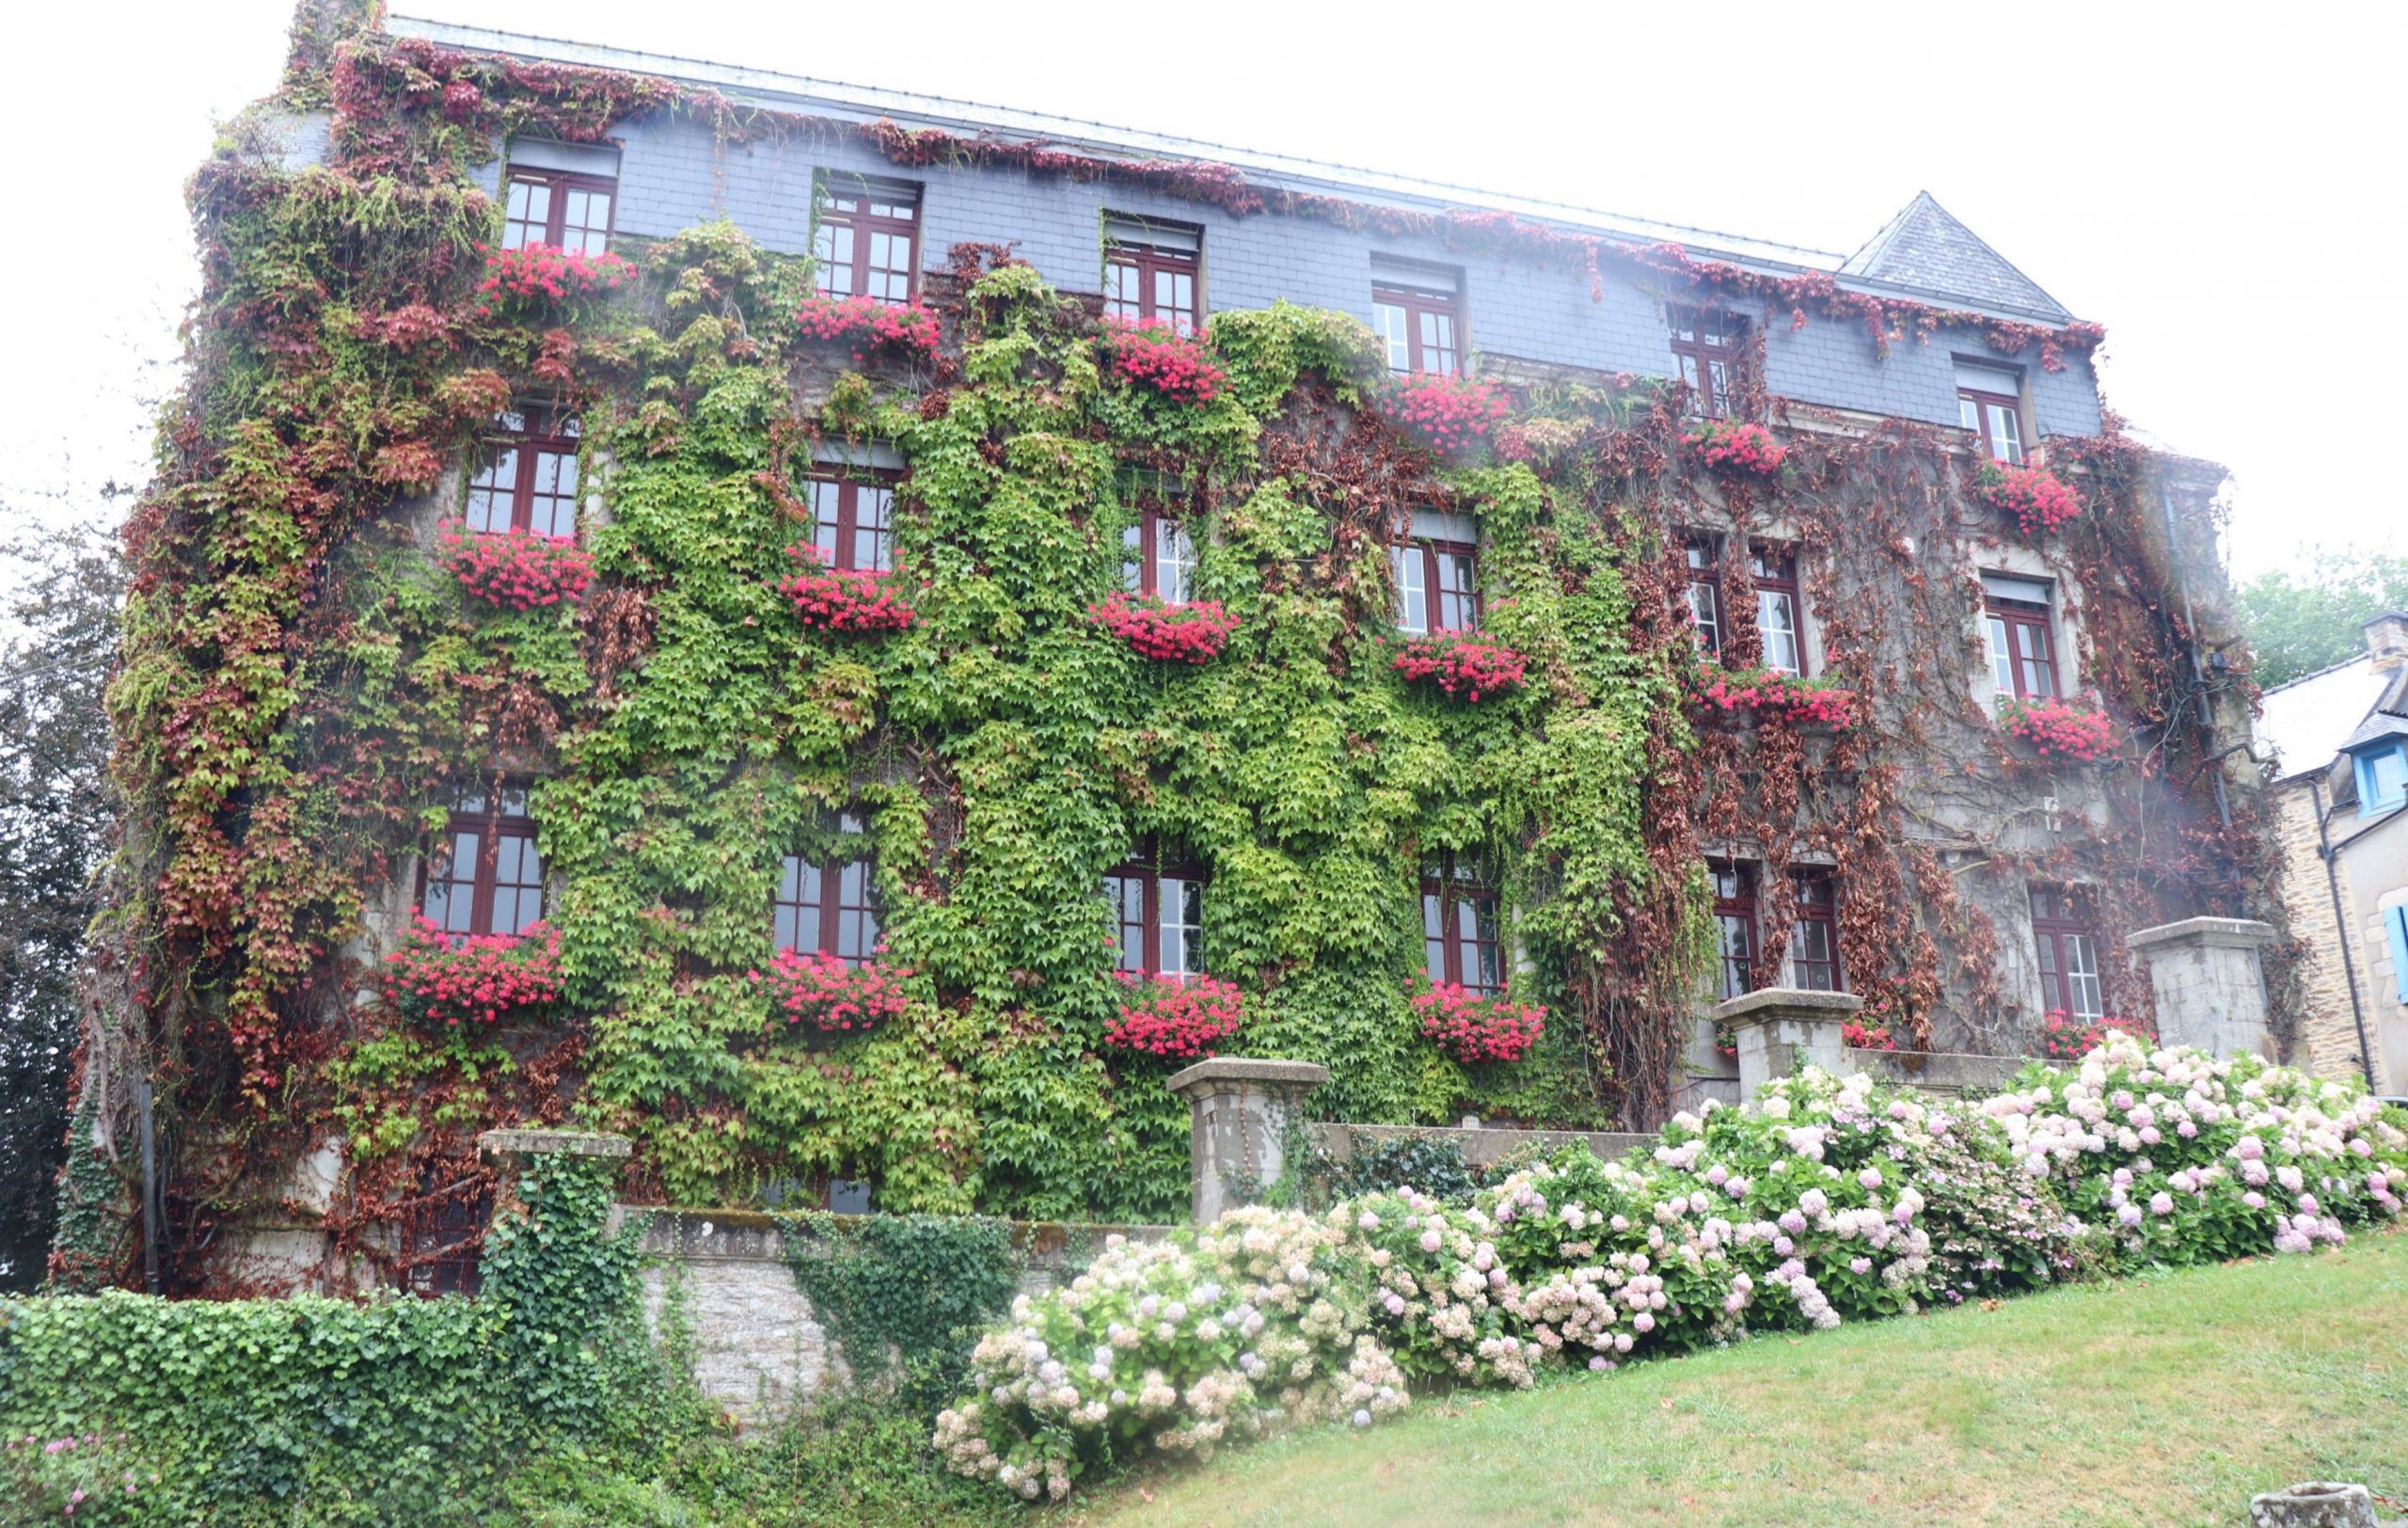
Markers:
<point>1480,1147</point>
<point>2328,1031</point>
<point>758,1348</point>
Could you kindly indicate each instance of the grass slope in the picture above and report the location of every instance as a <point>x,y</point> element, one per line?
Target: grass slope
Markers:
<point>2168,1399</point>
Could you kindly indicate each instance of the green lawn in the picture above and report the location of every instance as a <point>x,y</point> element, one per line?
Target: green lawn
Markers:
<point>2168,1399</point>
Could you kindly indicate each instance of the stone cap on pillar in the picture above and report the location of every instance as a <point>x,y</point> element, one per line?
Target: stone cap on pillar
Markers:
<point>552,1143</point>
<point>1784,1003</point>
<point>2206,933</point>
<point>1233,1073</point>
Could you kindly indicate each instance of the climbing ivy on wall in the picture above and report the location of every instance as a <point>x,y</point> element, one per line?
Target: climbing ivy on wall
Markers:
<point>306,689</point>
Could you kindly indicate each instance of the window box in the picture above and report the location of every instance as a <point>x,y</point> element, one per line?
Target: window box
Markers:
<point>515,569</point>
<point>1737,450</point>
<point>844,599</point>
<point>1463,667</point>
<point>829,994</point>
<point>1195,633</point>
<point>869,326</point>
<point>2035,496</point>
<point>1473,1029</point>
<point>1770,692</point>
<point>2060,730</point>
<point>1174,1017</point>
<point>1149,354</point>
<point>441,979</point>
<point>1446,413</point>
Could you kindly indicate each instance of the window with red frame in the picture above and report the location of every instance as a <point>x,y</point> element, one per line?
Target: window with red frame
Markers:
<point>825,901</point>
<point>1157,915</point>
<point>1989,402</point>
<point>1704,590</point>
<point>852,519</point>
<point>1422,327</point>
<point>528,481</point>
<point>486,878</point>
<point>1152,279</point>
<point>1437,586</point>
<point>1158,558</point>
<point>2023,653</point>
<point>1815,938</point>
<point>445,1230</point>
<point>566,211</point>
<point>867,239</point>
<point>1710,347</point>
<point>1734,926</point>
<point>1775,569</point>
<point>1461,941</point>
<point>2069,946</point>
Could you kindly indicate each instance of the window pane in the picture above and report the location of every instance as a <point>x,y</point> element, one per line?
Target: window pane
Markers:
<point>1434,934</point>
<point>1134,566</point>
<point>2001,657</point>
<point>873,526</point>
<point>797,919</point>
<point>2082,977</point>
<point>1738,953</point>
<point>1182,907</point>
<point>491,492</point>
<point>826,501</point>
<point>1174,562</point>
<point>1411,594</point>
<point>2388,773</point>
<point>1387,322</point>
<point>1969,413</point>
<point>2039,673</point>
<point>1457,586</point>
<point>1437,342</point>
<point>551,508</point>
<point>1777,618</point>
<point>1127,894</point>
<point>1122,289</point>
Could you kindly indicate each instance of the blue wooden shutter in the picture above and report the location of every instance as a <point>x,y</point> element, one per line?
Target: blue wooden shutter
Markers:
<point>2396,924</point>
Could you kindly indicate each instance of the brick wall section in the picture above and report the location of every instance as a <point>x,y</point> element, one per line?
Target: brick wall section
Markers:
<point>2327,1028</point>
<point>673,176</point>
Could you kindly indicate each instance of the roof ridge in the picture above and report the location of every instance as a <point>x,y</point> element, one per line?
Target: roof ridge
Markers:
<point>2329,668</point>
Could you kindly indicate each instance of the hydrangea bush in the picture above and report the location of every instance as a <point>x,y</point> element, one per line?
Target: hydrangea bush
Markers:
<point>1824,1200</point>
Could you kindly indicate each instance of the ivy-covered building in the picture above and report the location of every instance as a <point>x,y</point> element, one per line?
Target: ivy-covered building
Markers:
<point>868,629</point>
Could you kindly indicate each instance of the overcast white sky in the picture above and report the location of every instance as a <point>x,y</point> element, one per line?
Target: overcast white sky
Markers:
<point>2218,184</point>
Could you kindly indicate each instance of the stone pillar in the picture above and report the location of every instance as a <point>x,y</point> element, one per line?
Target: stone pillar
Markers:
<point>1240,1110</point>
<point>508,1149</point>
<point>2317,1503</point>
<point>1781,1030</point>
<point>2210,989</point>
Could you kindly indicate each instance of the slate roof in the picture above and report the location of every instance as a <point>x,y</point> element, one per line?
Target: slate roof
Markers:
<point>2305,724</point>
<point>2389,718</point>
<point>1923,253</point>
<point>1926,248</point>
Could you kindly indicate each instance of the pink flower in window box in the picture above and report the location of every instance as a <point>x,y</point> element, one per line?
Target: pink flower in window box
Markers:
<point>1154,355</point>
<point>816,989</point>
<point>544,273</point>
<point>516,570</point>
<point>2060,729</point>
<point>2066,1038</point>
<point>867,324</point>
<point>843,599</point>
<point>1174,1017</point>
<point>1770,692</point>
<point>1194,632</point>
<point>1462,664</point>
<point>1449,413</point>
<point>2034,495</point>
<point>1473,1028</point>
<point>1742,449</point>
<point>440,979</point>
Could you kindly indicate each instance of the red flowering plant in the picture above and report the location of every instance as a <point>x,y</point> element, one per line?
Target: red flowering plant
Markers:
<point>1174,1017</point>
<point>2034,495</point>
<point>441,979</point>
<point>547,273</point>
<point>843,599</point>
<point>2064,1038</point>
<point>1194,632</point>
<point>866,325</point>
<point>1861,1036</point>
<point>1450,414</point>
<point>1473,1028</point>
<point>2060,729</point>
<point>818,990</point>
<point>1744,450</point>
<point>1153,355</point>
<point>1464,664</point>
<point>1771,692</point>
<point>516,570</point>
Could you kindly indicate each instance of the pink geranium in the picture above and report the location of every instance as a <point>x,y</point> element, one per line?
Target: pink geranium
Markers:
<point>821,990</point>
<point>518,569</point>
<point>1462,664</point>
<point>1176,1017</point>
<point>867,324</point>
<point>2060,729</point>
<point>1194,632</point>
<point>2032,495</point>
<point>1747,450</point>
<point>1153,355</point>
<point>1473,1028</point>
<point>443,978</point>
<point>1450,413</point>
<point>843,599</point>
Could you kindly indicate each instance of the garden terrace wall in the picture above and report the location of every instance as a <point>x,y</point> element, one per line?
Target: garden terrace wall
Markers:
<point>1481,1146</point>
<point>723,1282</point>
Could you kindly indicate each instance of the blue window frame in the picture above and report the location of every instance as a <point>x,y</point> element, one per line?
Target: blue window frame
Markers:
<point>2395,924</point>
<point>2383,778</point>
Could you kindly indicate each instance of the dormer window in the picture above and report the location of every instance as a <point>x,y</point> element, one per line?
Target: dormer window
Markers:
<point>1417,312</point>
<point>2382,777</point>
<point>1989,402</point>
<point>866,238</point>
<point>560,194</point>
<point>1709,349</point>
<point>1152,273</point>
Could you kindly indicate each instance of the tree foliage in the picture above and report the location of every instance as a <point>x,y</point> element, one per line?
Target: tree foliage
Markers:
<point>54,821</point>
<point>2312,618</point>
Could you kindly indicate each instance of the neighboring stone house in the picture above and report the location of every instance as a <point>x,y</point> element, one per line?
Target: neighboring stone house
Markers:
<point>2337,744</point>
<point>1865,651</point>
